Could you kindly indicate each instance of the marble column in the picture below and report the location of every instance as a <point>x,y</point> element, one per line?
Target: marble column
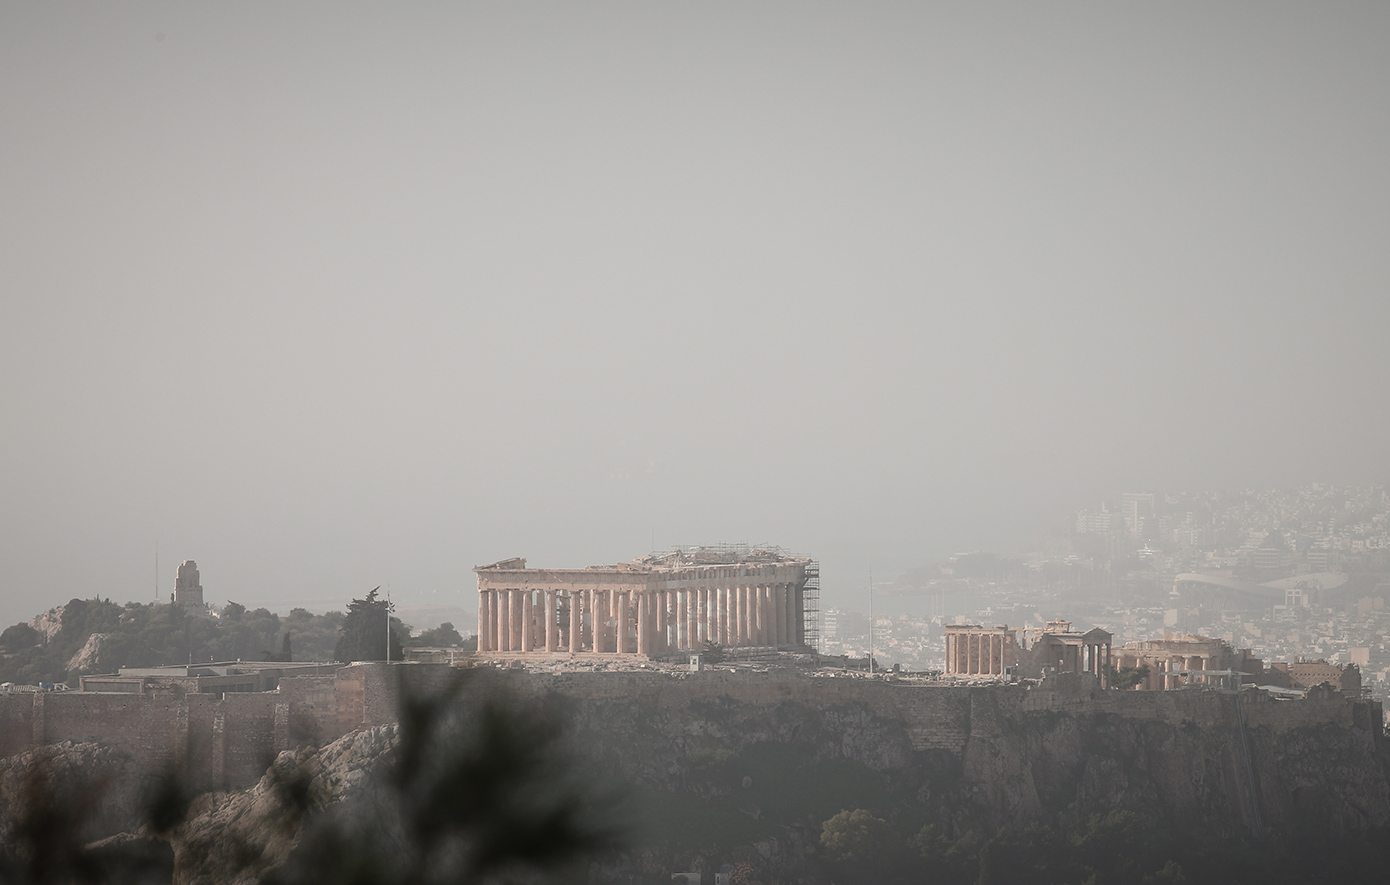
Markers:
<point>484,636</point>
<point>604,614</point>
<point>721,615</point>
<point>576,623</point>
<point>730,616</point>
<point>696,616</point>
<point>504,620</point>
<point>552,626</point>
<point>735,616</point>
<point>751,597</point>
<point>760,594</point>
<point>518,613</point>
<point>626,622</point>
<point>711,614</point>
<point>692,619</point>
<point>499,620</point>
<point>682,620</point>
<point>770,594</point>
<point>774,616</point>
<point>698,605</point>
<point>799,614</point>
<point>779,604</point>
<point>502,623</point>
<point>784,595</point>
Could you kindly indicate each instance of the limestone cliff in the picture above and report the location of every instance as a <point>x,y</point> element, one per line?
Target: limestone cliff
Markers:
<point>48,623</point>
<point>736,768</point>
<point>87,657</point>
<point>235,838</point>
<point>722,767</point>
<point>95,789</point>
<point>765,770</point>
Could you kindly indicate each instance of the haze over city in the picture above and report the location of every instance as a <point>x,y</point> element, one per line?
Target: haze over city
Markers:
<point>329,296</point>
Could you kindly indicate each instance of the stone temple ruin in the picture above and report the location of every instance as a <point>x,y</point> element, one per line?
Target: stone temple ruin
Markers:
<point>735,596</point>
<point>973,650</point>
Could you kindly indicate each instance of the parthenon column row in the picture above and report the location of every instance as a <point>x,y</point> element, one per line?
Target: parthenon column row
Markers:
<point>638,621</point>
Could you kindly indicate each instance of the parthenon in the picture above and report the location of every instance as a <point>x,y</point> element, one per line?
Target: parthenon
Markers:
<point>654,605</point>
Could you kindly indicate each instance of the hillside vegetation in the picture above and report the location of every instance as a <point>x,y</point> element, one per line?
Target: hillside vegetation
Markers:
<point>158,634</point>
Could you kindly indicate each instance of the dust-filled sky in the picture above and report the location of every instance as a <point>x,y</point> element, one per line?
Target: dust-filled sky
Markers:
<point>331,296</point>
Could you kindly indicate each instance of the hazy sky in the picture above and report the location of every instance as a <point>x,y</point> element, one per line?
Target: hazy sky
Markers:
<point>331,296</point>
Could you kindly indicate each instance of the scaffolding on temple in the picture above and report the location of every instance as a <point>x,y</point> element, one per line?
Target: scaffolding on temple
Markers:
<point>810,613</point>
<point>715,554</point>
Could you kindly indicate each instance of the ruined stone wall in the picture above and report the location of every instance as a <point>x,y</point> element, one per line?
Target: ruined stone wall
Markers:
<point>217,743</point>
<point>16,730</point>
<point>152,728</point>
<point>313,709</point>
<point>944,717</point>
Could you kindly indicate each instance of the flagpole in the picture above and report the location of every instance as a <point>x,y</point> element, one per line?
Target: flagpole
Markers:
<point>871,620</point>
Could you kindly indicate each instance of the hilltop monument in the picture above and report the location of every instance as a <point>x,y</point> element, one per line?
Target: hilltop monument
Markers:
<point>188,592</point>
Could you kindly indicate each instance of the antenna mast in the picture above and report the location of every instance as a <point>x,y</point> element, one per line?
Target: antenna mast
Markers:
<point>871,620</point>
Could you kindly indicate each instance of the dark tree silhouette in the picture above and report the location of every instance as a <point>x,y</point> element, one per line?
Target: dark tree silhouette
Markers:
<point>363,636</point>
<point>443,636</point>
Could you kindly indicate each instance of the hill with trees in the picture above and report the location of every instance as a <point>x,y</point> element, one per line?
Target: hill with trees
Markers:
<point>100,636</point>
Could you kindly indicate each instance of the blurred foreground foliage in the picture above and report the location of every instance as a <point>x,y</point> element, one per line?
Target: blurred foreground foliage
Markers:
<point>481,786</point>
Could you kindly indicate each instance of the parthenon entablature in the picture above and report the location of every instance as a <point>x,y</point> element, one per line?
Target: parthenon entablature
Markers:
<point>654,605</point>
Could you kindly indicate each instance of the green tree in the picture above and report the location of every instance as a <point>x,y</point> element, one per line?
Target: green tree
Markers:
<point>443,636</point>
<point>856,836</point>
<point>363,635</point>
<point>1128,677</point>
<point>314,635</point>
<point>18,637</point>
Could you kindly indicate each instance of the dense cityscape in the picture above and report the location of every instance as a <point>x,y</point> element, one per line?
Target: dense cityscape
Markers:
<point>1321,552</point>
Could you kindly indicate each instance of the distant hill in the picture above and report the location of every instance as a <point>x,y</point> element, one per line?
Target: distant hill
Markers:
<point>57,646</point>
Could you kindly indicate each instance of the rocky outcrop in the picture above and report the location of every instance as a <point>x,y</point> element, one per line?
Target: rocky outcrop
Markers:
<point>235,838</point>
<point>87,657</point>
<point>1015,766</point>
<point>48,623</point>
<point>98,791</point>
